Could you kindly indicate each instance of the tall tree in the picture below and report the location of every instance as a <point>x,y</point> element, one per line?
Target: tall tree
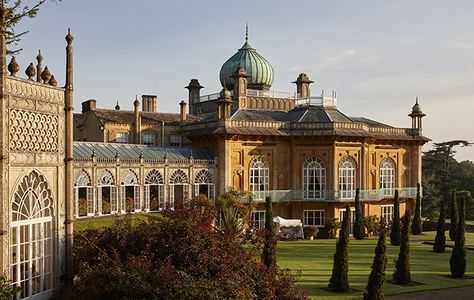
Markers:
<point>395,229</point>
<point>12,12</point>
<point>402,273</point>
<point>416,227</point>
<point>453,216</point>
<point>339,281</point>
<point>441,174</point>
<point>458,256</point>
<point>269,247</point>
<point>359,229</point>
<point>374,289</point>
<point>440,240</point>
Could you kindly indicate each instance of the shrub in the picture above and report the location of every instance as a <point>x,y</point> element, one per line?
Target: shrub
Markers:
<point>359,229</point>
<point>372,224</point>
<point>440,239</point>
<point>180,256</point>
<point>310,231</point>
<point>416,227</point>
<point>402,265</point>
<point>82,207</point>
<point>374,289</point>
<point>454,216</point>
<point>339,281</point>
<point>7,290</point>
<point>458,256</point>
<point>395,230</point>
<point>333,225</point>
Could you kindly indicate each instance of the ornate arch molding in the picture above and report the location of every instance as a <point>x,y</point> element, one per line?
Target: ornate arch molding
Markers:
<point>154,177</point>
<point>178,177</point>
<point>82,179</point>
<point>105,178</point>
<point>129,178</point>
<point>32,198</point>
<point>203,177</point>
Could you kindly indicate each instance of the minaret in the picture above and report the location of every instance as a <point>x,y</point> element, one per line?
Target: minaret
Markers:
<point>416,116</point>
<point>69,178</point>
<point>240,87</point>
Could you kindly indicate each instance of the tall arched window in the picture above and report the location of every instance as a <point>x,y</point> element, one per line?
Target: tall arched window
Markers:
<point>178,187</point>
<point>347,169</point>
<point>31,239</point>
<point>84,204</point>
<point>313,178</point>
<point>259,177</point>
<point>106,194</point>
<point>203,184</point>
<point>130,192</point>
<point>387,176</point>
<point>154,191</point>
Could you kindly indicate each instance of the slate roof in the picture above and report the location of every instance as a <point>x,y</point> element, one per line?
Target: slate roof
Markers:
<point>147,118</point>
<point>133,151</point>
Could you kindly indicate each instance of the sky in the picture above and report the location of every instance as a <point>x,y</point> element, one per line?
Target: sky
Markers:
<point>377,55</point>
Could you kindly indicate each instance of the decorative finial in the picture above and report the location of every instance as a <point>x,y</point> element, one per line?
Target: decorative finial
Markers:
<point>117,107</point>
<point>52,81</point>
<point>247,32</point>
<point>416,99</point>
<point>39,57</point>
<point>45,75</point>
<point>69,37</point>
<point>13,67</point>
<point>93,153</point>
<point>30,71</point>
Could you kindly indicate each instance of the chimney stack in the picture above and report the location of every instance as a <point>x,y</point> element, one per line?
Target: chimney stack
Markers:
<point>302,85</point>
<point>194,89</point>
<point>149,103</point>
<point>136,105</point>
<point>183,112</point>
<point>89,105</point>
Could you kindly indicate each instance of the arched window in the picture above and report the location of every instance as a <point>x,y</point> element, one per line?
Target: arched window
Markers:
<point>347,169</point>
<point>84,204</point>
<point>130,192</point>
<point>387,176</point>
<point>178,187</point>
<point>31,240</point>
<point>313,178</point>
<point>259,177</point>
<point>154,191</point>
<point>203,184</point>
<point>106,194</point>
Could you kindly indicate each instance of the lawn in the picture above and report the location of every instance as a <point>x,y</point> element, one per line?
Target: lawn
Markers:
<point>314,260</point>
<point>430,236</point>
<point>106,221</point>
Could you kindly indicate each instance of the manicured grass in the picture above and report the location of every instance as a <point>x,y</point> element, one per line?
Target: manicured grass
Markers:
<point>430,236</point>
<point>106,221</point>
<point>314,260</point>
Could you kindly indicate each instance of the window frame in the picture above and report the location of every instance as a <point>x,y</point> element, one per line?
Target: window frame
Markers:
<point>120,135</point>
<point>259,177</point>
<point>321,218</point>
<point>313,168</point>
<point>390,213</point>
<point>347,177</point>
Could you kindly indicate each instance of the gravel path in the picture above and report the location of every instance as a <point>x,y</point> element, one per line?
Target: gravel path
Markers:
<point>460,293</point>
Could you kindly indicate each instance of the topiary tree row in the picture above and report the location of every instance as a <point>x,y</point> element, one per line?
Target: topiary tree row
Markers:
<point>402,265</point>
<point>458,256</point>
<point>440,240</point>
<point>374,289</point>
<point>339,281</point>
<point>417,225</point>
<point>359,229</point>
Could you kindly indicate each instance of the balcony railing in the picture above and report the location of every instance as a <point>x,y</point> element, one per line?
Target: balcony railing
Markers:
<point>332,196</point>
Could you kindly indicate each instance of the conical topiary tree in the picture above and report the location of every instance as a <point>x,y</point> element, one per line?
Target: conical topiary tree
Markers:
<point>359,230</point>
<point>339,281</point>
<point>440,240</point>
<point>453,216</point>
<point>395,229</point>
<point>402,265</point>
<point>458,256</point>
<point>416,227</point>
<point>269,247</point>
<point>374,289</point>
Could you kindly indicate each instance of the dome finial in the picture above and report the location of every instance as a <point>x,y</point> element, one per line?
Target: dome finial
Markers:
<point>246,31</point>
<point>416,99</point>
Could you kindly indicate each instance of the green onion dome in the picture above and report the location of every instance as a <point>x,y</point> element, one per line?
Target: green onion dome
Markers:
<point>259,70</point>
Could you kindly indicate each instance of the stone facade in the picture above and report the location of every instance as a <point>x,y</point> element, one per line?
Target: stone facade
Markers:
<point>33,184</point>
